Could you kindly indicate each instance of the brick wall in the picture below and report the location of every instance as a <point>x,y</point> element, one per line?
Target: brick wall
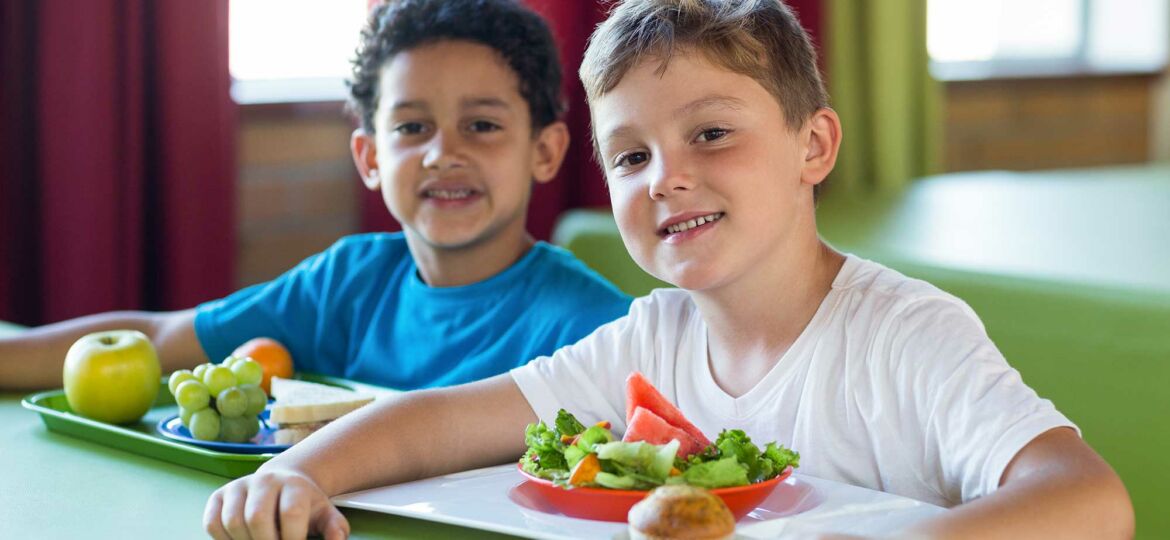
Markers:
<point>1026,124</point>
<point>298,188</point>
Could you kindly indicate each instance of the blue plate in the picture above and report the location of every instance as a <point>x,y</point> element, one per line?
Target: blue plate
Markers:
<point>172,428</point>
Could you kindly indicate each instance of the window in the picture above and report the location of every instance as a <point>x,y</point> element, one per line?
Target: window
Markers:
<point>292,50</point>
<point>988,38</point>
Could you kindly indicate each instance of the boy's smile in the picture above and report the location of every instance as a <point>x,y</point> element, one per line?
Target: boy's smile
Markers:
<point>705,176</point>
<point>688,225</point>
<point>450,194</point>
<point>454,155</point>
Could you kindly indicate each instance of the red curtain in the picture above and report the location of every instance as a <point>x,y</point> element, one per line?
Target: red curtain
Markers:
<point>580,183</point>
<point>118,157</point>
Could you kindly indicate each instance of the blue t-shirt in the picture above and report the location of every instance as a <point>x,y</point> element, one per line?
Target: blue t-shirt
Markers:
<point>359,310</point>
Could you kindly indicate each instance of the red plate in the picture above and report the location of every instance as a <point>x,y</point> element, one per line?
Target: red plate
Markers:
<point>614,504</point>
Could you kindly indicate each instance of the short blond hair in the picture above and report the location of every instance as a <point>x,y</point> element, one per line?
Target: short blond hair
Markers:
<point>761,39</point>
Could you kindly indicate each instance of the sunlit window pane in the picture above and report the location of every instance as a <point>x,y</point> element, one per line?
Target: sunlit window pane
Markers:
<point>1040,29</point>
<point>1129,32</point>
<point>293,39</point>
<point>962,31</point>
<point>1046,36</point>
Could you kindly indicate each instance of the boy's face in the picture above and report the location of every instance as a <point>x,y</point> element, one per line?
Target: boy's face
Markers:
<point>707,181</point>
<point>453,152</point>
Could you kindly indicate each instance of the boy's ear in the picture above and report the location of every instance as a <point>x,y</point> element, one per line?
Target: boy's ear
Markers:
<point>365,158</point>
<point>822,140</point>
<point>551,144</point>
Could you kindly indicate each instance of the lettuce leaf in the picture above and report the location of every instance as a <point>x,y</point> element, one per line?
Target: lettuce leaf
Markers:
<point>759,466</point>
<point>724,472</point>
<point>545,452</point>
<point>782,457</point>
<point>735,443</point>
<point>614,481</point>
<point>655,461</point>
<point>567,424</point>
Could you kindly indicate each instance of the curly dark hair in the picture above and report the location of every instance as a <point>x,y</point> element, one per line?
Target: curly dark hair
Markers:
<point>520,36</point>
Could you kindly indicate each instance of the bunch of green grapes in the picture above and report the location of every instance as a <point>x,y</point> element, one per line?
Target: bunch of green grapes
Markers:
<point>220,401</point>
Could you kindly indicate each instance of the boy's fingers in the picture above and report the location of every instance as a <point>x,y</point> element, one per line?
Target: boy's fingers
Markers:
<point>267,506</point>
<point>295,505</point>
<point>260,509</point>
<point>333,526</point>
<point>211,513</point>
<point>231,515</point>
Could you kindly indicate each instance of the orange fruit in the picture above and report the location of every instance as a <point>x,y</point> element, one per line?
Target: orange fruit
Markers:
<point>271,355</point>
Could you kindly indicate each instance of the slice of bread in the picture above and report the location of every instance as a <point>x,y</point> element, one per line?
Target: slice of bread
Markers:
<point>300,402</point>
<point>295,433</point>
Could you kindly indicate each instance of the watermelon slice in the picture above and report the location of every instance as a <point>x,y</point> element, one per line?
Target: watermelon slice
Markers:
<point>649,427</point>
<point>640,393</point>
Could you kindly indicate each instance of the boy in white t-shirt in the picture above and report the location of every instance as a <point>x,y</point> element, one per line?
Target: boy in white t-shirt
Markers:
<point>713,128</point>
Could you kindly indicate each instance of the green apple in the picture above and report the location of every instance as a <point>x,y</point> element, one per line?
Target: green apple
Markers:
<point>112,376</point>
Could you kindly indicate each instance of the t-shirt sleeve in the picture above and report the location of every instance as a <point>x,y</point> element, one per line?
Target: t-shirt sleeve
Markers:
<point>588,378</point>
<point>971,410</point>
<point>290,309</point>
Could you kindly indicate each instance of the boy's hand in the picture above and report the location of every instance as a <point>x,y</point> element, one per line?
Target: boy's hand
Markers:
<point>282,500</point>
<point>276,504</point>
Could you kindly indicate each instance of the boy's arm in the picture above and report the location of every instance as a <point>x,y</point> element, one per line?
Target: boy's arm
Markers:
<point>397,439</point>
<point>1055,487</point>
<point>35,358</point>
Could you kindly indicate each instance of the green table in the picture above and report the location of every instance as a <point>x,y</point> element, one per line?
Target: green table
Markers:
<point>56,486</point>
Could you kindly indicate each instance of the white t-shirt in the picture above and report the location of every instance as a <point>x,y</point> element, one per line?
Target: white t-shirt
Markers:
<point>894,385</point>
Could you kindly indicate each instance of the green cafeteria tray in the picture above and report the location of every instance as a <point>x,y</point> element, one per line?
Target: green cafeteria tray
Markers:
<point>142,438</point>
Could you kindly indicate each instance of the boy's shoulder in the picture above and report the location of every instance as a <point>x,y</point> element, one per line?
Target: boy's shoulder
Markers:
<point>666,307</point>
<point>363,250</point>
<point>871,291</point>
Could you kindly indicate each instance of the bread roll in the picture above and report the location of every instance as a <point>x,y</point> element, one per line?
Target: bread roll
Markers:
<point>681,512</point>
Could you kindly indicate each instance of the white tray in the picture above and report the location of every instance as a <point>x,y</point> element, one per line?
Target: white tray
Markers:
<point>499,499</point>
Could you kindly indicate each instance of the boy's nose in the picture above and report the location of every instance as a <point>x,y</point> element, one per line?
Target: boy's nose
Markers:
<point>442,152</point>
<point>667,181</point>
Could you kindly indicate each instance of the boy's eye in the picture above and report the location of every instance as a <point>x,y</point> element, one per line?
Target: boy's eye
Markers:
<point>483,126</point>
<point>409,128</point>
<point>631,159</point>
<point>708,135</point>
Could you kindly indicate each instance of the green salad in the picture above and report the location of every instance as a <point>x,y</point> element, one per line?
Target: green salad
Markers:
<point>573,455</point>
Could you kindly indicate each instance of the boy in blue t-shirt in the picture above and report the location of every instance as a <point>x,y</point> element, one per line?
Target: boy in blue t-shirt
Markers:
<point>459,105</point>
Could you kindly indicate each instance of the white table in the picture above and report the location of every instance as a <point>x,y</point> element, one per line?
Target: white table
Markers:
<point>497,499</point>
